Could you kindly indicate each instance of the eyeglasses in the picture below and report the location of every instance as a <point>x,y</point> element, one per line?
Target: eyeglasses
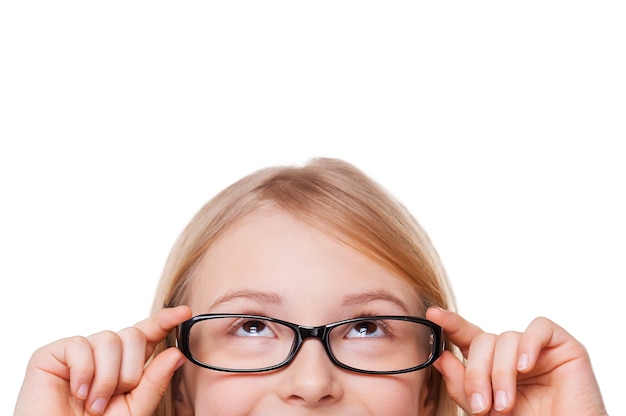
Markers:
<point>249,343</point>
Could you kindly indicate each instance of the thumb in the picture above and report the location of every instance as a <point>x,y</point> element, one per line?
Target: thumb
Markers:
<point>453,372</point>
<point>155,382</point>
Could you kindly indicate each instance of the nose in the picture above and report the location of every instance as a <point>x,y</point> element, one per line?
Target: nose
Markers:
<point>311,379</point>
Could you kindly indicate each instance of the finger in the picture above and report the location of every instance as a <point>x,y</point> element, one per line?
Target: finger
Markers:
<point>69,359</point>
<point>478,372</point>
<point>107,353</point>
<point>60,370</point>
<point>460,331</point>
<point>133,359</point>
<point>155,382</point>
<point>504,371</point>
<point>542,333</point>
<point>159,325</point>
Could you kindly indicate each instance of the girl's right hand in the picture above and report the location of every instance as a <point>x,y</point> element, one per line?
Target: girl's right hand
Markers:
<point>105,373</point>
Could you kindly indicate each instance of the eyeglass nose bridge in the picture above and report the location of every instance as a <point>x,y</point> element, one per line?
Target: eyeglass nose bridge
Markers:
<point>319,332</point>
<point>312,332</point>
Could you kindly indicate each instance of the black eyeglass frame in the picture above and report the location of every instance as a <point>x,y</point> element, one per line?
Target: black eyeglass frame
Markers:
<point>302,333</point>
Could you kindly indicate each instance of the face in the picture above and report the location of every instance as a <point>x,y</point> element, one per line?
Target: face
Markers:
<point>273,264</point>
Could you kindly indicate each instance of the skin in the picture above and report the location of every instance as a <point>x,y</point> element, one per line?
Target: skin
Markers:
<point>313,280</point>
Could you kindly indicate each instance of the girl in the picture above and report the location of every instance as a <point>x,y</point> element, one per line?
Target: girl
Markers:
<point>278,259</point>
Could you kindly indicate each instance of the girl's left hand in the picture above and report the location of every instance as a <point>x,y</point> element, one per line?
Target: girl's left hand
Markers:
<point>543,371</point>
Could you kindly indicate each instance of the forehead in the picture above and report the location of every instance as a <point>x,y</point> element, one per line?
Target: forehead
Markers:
<point>273,252</point>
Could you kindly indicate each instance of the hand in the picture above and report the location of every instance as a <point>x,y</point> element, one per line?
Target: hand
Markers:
<point>543,371</point>
<point>104,373</point>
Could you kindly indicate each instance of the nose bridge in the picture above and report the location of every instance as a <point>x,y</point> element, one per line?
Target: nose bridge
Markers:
<point>319,332</point>
<point>310,379</point>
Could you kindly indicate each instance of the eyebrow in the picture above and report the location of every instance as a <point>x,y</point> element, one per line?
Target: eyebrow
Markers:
<point>271,298</point>
<point>377,295</point>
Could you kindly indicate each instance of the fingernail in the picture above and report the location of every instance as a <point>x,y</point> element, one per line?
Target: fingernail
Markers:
<point>98,406</point>
<point>477,403</point>
<point>522,362</point>
<point>83,390</point>
<point>502,400</point>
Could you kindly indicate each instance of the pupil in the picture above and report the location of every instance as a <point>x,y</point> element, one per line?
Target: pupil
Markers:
<point>253,327</point>
<point>364,328</point>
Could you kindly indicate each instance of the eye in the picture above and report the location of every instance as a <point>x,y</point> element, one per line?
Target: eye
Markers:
<point>365,329</point>
<point>252,328</point>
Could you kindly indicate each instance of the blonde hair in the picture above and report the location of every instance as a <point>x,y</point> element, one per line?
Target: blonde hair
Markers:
<point>335,197</point>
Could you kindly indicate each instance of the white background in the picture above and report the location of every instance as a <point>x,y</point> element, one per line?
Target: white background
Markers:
<point>500,126</point>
